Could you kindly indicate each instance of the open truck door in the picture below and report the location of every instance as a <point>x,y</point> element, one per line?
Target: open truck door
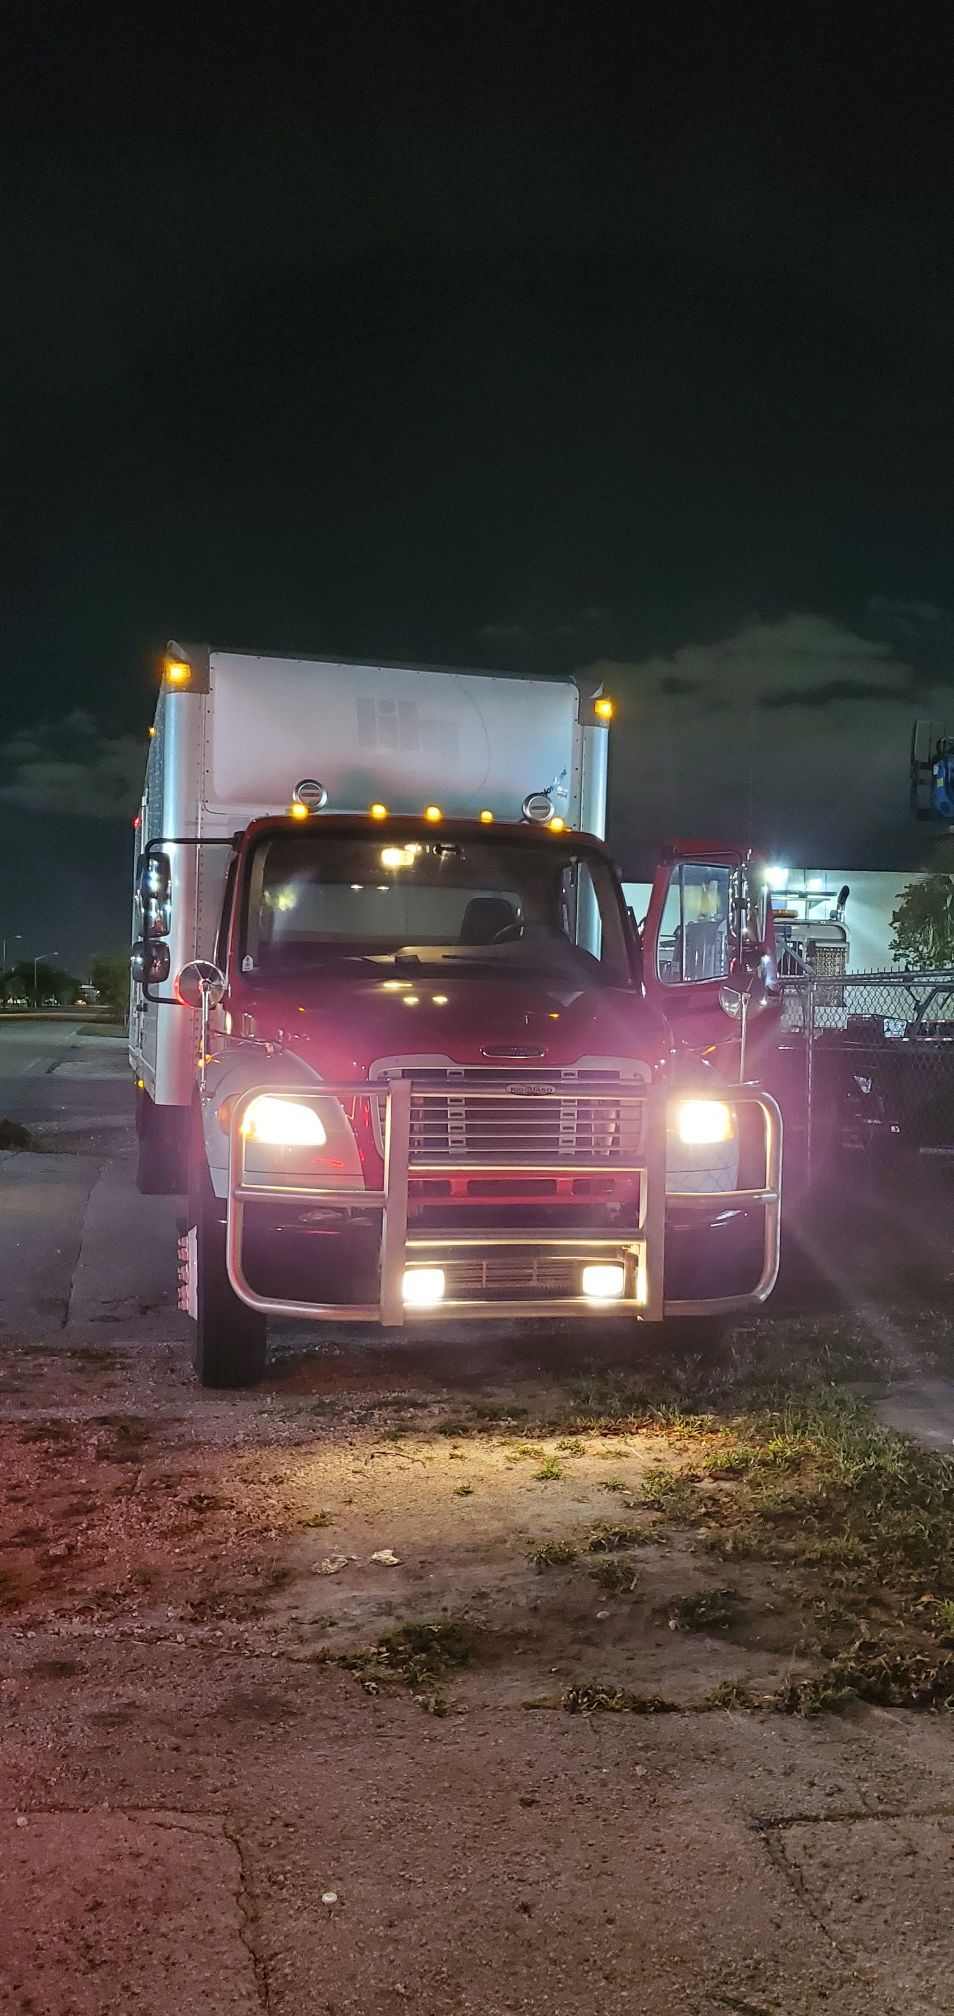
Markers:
<point>709,946</point>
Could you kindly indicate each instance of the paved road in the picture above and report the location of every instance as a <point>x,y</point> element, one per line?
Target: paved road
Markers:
<point>79,1248</point>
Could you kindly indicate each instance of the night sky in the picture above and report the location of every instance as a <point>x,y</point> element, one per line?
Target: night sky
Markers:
<point>540,338</point>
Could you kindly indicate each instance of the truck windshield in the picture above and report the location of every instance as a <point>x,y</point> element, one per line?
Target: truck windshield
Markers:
<point>315,900</point>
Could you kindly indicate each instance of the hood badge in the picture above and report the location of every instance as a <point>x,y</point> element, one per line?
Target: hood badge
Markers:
<point>512,1050</point>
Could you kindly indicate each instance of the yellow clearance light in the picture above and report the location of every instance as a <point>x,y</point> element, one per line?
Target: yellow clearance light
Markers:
<point>556,824</point>
<point>151,733</point>
<point>433,813</point>
<point>603,708</point>
<point>486,818</point>
<point>178,671</point>
<point>377,811</point>
<point>297,810</point>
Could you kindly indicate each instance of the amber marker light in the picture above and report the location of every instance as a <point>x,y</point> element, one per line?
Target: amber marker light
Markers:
<point>377,811</point>
<point>298,811</point>
<point>486,818</point>
<point>603,708</point>
<point>178,671</point>
<point>557,825</point>
<point>433,813</point>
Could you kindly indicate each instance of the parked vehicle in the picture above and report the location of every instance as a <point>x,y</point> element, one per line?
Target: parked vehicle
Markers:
<point>403,1059</point>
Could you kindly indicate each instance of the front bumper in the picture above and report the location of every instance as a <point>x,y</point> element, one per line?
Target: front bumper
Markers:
<point>553,1255</point>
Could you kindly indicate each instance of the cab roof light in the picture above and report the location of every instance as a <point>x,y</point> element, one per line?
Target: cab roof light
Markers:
<point>603,708</point>
<point>178,671</point>
<point>297,810</point>
<point>377,811</point>
<point>486,817</point>
<point>556,824</point>
<point>433,813</point>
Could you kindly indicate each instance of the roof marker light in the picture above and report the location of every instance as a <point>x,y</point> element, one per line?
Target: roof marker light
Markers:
<point>377,811</point>
<point>433,813</point>
<point>178,671</point>
<point>297,810</point>
<point>486,817</point>
<point>603,707</point>
<point>556,824</point>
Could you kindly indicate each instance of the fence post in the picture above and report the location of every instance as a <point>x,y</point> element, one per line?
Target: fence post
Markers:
<point>809,1078</point>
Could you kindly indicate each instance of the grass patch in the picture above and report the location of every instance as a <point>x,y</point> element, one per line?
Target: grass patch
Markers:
<point>615,1575</point>
<point>463,1490</point>
<point>571,1445</point>
<point>416,1656</point>
<point>453,1428</point>
<point>707,1610</point>
<point>888,1676</point>
<point>615,1701</point>
<point>549,1472</point>
<point>552,1554</point>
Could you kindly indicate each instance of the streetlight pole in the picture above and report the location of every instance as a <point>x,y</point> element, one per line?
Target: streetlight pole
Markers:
<point>39,956</point>
<point>14,940</point>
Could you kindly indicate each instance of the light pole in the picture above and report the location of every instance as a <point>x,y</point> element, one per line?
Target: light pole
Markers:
<point>14,940</point>
<point>39,956</point>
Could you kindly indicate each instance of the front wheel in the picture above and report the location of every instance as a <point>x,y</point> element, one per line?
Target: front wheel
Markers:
<point>229,1336</point>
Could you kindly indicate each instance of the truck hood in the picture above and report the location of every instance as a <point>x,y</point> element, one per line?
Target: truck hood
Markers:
<point>339,1026</point>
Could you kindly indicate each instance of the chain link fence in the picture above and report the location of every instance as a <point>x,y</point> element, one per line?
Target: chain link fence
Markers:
<point>866,1063</point>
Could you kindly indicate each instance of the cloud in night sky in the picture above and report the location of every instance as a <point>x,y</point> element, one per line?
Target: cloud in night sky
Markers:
<point>790,735</point>
<point>70,767</point>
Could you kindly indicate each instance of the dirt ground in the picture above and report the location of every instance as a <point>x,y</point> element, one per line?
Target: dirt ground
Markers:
<point>483,1673</point>
<point>452,1675</point>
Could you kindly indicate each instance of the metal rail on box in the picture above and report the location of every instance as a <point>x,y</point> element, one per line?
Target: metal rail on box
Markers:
<point>640,1248</point>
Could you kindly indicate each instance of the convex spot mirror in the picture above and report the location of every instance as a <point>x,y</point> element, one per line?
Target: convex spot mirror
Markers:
<point>150,962</point>
<point>197,981</point>
<point>154,879</point>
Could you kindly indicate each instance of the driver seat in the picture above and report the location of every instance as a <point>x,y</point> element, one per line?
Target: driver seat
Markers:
<point>484,918</point>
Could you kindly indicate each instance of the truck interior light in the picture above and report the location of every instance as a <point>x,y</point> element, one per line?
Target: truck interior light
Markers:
<point>377,811</point>
<point>423,1287</point>
<point>283,1123</point>
<point>298,811</point>
<point>433,813</point>
<point>603,708</point>
<point>556,824</point>
<point>178,671</point>
<point>486,817</point>
<point>704,1122</point>
<point>604,1283</point>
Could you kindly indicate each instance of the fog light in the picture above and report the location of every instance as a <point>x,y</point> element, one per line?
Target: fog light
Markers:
<point>603,1284</point>
<point>423,1287</point>
<point>703,1122</point>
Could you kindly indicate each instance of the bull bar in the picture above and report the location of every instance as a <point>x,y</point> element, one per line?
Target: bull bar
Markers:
<point>640,1249</point>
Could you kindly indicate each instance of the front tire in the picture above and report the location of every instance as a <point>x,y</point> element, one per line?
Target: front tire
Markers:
<point>229,1336</point>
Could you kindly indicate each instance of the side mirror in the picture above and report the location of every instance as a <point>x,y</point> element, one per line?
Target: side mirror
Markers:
<point>730,1000</point>
<point>199,981</point>
<point>153,879</point>
<point>150,962</point>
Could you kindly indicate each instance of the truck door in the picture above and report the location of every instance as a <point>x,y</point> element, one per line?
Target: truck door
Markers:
<point>708,926</point>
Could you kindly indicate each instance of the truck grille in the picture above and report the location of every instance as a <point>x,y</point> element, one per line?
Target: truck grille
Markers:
<point>529,1126</point>
<point>512,1277</point>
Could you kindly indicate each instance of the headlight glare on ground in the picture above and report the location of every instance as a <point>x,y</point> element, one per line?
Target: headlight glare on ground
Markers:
<point>283,1123</point>
<point>604,1283</point>
<point>423,1287</point>
<point>704,1122</point>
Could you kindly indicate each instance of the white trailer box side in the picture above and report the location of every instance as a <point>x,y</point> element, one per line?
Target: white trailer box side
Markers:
<point>235,737</point>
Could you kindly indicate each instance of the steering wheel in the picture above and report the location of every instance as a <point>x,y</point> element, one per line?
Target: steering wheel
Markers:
<point>507,935</point>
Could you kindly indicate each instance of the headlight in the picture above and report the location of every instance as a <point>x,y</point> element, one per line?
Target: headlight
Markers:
<point>283,1123</point>
<point>703,1122</point>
